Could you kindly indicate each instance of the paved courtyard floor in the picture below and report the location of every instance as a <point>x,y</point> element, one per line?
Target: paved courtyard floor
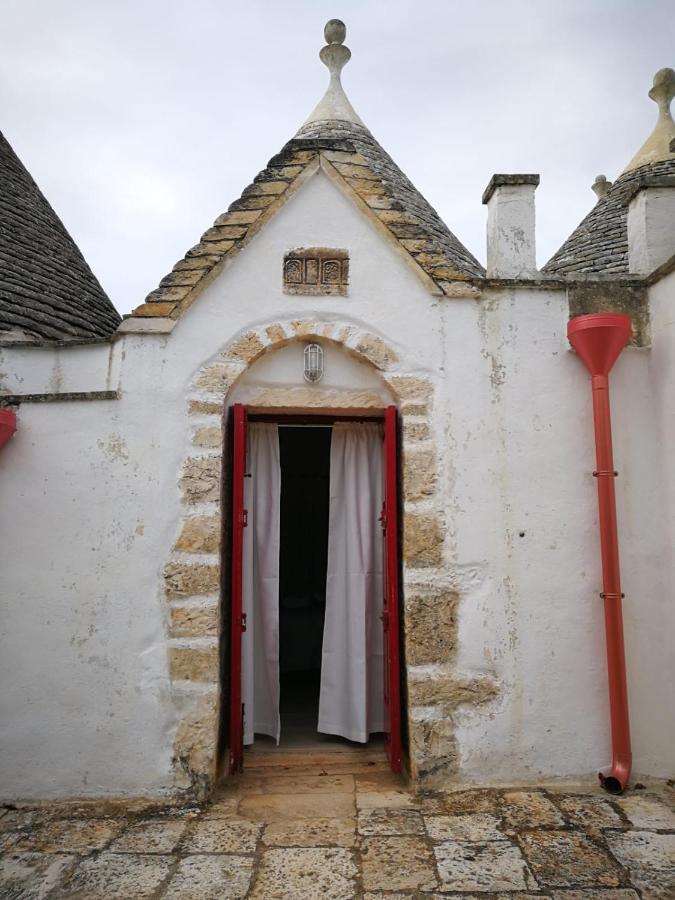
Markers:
<point>287,832</point>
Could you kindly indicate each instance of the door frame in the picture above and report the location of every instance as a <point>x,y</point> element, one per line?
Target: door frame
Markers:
<point>392,613</point>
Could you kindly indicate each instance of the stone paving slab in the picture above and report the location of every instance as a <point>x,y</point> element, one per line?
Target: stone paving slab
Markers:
<point>210,878</point>
<point>568,859</point>
<point>306,874</point>
<point>397,863</point>
<point>482,866</point>
<point>352,835</point>
<point>117,876</point>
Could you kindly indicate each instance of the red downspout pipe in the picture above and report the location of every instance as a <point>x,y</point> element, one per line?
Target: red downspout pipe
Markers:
<point>599,338</point>
<point>7,425</point>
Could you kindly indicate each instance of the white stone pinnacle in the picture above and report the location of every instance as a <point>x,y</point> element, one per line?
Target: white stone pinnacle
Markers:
<point>657,147</point>
<point>334,105</point>
<point>600,186</point>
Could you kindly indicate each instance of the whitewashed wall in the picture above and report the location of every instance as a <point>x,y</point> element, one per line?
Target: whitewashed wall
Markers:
<point>91,508</point>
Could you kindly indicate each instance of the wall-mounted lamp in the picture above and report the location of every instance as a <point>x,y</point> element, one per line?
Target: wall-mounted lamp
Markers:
<point>313,370</point>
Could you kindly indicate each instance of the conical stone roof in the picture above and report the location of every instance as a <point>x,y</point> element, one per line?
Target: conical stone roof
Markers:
<point>47,290</point>
<point>600,243</point>
<point>335,139</point>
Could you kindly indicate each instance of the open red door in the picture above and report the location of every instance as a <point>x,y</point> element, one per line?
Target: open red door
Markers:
<point>392,683</point>
<point>238,624</point>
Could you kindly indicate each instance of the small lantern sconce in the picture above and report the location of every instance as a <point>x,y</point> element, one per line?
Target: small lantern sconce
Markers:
<point>313,370</point>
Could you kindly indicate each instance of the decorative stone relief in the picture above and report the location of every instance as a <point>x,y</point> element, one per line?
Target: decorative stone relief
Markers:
<point>316,270</point>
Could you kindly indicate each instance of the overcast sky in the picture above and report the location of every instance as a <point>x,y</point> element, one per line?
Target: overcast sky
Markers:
<point>141,120</point>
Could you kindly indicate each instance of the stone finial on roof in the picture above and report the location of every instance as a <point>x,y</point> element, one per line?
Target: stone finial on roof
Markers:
<point>334,105</point>
<point>600,186</point>
<point>659,144</point>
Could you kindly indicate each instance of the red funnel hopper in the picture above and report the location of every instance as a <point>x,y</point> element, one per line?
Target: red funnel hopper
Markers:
<point>7,425</point>
<point>599,339</point>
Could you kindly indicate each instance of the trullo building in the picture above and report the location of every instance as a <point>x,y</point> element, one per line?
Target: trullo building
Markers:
<point>333,482</point>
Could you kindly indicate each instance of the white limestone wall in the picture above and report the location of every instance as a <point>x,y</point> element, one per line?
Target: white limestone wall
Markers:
<point>525,508</point>
<point>91,509</point>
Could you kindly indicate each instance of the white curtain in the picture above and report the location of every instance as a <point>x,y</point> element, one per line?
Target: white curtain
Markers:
<point>260,587</point>
<point>352,677</point>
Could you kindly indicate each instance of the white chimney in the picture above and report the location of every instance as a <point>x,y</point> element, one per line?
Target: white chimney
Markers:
<point>651,223</point>
<point>511,247</point>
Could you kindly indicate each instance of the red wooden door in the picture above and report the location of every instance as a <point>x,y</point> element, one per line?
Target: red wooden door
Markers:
<point>392,683</point>
<point>237,624</point>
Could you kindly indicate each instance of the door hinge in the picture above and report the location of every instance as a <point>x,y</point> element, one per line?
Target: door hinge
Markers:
<point>243,621</point>
<point>384,618</point>
<point>383,517</point>
<point>244,518</point>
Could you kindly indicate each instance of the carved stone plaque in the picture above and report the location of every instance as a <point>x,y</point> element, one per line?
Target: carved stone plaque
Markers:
<point>316,270</point>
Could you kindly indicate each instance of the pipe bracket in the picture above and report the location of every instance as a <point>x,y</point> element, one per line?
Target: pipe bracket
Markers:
<point>607,595</point>
<point>599,472</point>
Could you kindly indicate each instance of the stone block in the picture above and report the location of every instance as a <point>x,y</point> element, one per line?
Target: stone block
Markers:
<point>217,248</point>
<point>202,262</point>
<point>449,692</point>
<point>422,540</point>
<point>247,348</point>
<point>303,327</point>
<point>376,351</point>
<point>194,621</point>
<point>430,626</point>
<point>419,474</point>
<point>209,437</point>
<point>238,217</point>
<point>182,277</point>
<point>200,534</point>
<point>200,481</point>
<point>276,333</point>
<point>218,378</point>
<point>156,308</point>
<point>205,408</point>
<point>416,431</point>
<point>414,394</point>
<point>366,187</point>
<point>432,745</point>
<point>193,663</point>
<point>267,187</point>
<point>196,736</point>
<point>183,579</point>
<point>224,233</point>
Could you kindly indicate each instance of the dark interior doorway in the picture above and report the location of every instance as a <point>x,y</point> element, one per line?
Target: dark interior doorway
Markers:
<point>305,481</point>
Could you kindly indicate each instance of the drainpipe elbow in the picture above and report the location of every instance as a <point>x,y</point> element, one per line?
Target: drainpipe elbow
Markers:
<point>615,781</point>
